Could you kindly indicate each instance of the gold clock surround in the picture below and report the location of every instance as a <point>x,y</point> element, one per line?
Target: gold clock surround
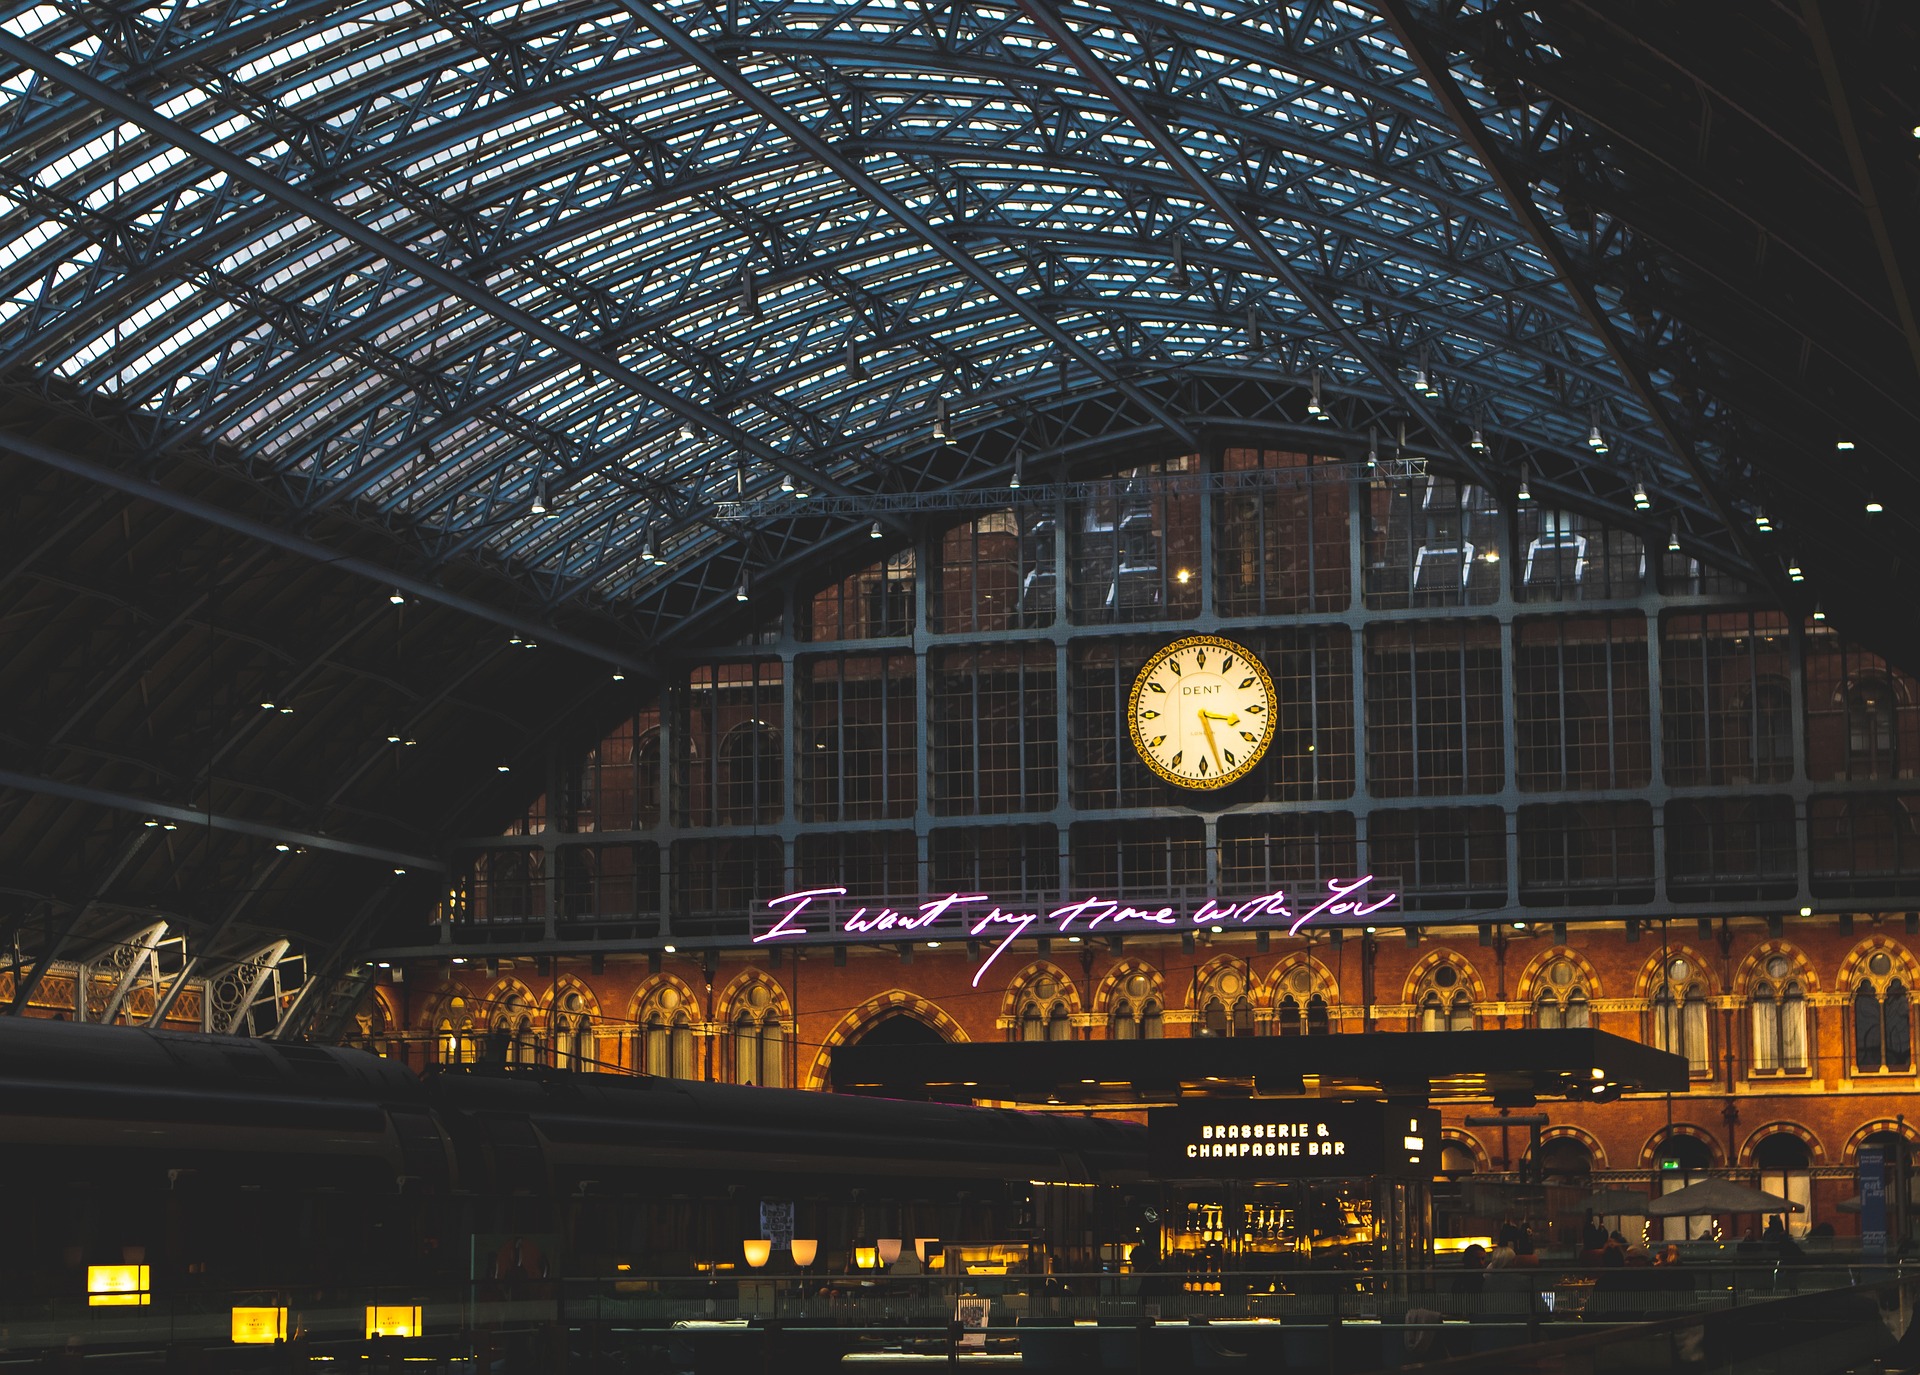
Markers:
<point>1201,757</point>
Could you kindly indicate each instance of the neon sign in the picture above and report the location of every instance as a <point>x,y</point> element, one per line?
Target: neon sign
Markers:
<point>826,914</point>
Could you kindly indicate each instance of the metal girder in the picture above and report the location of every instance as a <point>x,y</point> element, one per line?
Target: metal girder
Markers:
<point>800,133</point>
<point>143,807</point>
<point>24,988</point>
<point>129,956</point>
<point>230,993</point>
<point>379,574</point>
<point>1439,76</point>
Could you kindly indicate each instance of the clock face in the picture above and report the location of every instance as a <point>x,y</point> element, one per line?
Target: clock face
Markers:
<point>1201,712</point>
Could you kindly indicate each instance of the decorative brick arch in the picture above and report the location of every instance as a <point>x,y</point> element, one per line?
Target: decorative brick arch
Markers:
<point>1275,988</point>
<point>1654,970</point>
<point>1019,983</point>
<point>1212,969</point>
<point>559,989</point>
<point>737,988</point>
<point>1815,1153</point>
<point>895,1001</point>
<point>1116,980</point>
<point>644,994</point>
<point>1854,965</point>
<point>1851,1155</point>
<point>442,997</point>
<point>1534,976</point>
<point>501,993</point>
<point>1476,988</point>
<point>1482,1162</point>
<point>1755,964</point>
<point>1650,1152</point>
<point>1596,1152</point>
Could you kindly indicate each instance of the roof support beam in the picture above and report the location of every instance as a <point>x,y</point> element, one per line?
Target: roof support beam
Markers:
<point>824,153</point>
<point>1439,78</point>
<point>1176,157</point>
<point>1862,174</point>
<point>385,577</point>
<point>137,806</point>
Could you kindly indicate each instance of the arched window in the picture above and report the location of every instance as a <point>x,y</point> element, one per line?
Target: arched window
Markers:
<point>750,775</point>
<point>1224,1007</point>
<point>1682,1160</point>
<point>453,1033</point>
<point>1565,1160</point>
<point>665,1034</point>
<point>1786,1169</point>
<point>1562,1001</point>
<point>1043,1013</point>
<point>759,1039</point>
<point>1457,1158</point>
<point>1302,1003</point>
<point>1678,1016</point>
<point>1778,1006</point>
<point>1772,729</point>
<point>1444,1002</point>
<point>1136,1012</point>
<point>573,1041</point>
<point>1882,1018</point>
<point>512,1030</point>
<point>1871,740</point>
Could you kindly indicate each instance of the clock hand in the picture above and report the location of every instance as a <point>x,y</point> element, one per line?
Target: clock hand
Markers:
<point>1207,718</point>
<point>1232,718</point>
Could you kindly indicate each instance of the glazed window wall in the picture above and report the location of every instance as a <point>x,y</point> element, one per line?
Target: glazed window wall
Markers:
<point>1490,708</point>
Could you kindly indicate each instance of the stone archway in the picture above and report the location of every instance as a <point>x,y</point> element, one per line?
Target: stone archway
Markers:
<point>900,1013</point>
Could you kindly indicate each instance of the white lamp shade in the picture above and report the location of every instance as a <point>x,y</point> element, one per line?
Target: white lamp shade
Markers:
<point>757,1250</point>
<point>922,1245</point>
<point>866,1257</point>
<point>889,1249</point>
<point>804,1251</point>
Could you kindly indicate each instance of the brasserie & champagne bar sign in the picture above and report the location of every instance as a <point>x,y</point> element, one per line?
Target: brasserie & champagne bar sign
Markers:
<point>1291,1138</point>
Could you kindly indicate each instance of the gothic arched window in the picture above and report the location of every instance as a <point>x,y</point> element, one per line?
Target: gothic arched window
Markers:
<point>1562,1001</point>
<point>759,1039</point>
<point>1777,1004</point>
<point>1882,1017</point>
<point>1136,1012</point>
<point>665,1034</point>
<point>1678,1013</point>
<point>1224,1007</point>
<point>1301,1006</point>
<point>750,775</point>
<point>1443,1001</point>
<point>1042,1012</point>
<point>573,1041</point>
<point>1871,737</point>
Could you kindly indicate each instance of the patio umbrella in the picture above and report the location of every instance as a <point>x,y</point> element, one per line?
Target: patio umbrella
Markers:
<point>1719,1196</point>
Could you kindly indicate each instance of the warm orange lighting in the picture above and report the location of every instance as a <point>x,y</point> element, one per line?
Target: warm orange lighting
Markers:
<point>757,1250</point>
<point>115,1286</point>
<point>259,1326</point>
<point>393,1320</point>
<point>804,1251</point>
<point>922,1245</point>
<point>889,1249</point>
<point>866,1257</point>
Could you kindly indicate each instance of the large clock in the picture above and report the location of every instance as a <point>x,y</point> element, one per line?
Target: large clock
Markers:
<point>1201,712</point>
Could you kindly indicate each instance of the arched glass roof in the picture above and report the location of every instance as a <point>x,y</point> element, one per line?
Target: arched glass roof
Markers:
<point>653,266</point>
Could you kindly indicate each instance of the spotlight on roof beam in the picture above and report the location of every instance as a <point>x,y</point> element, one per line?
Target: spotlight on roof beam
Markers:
<point>1874,508</point>
<point>1673,537</point>
<point>539,507</point>
<point>1794,572</point>
<point>1313,401</point>
<point>1524,494</point>
<point>1640,501</point>
<point>874,533</point>
<point>1479,441</point>
<point>786,483</point>
<point>1013,482</point>
<point>1819,613</point>
<point>397,597</point>
<point>1762,523</point>
<point>1596,441</point>
<point>267,706</point>
<point>1845,446</point>
<point>503,768</point>
<point>646,549</point>
<point>740,590</point>
<point>619,677</point>
<point>688,432</point>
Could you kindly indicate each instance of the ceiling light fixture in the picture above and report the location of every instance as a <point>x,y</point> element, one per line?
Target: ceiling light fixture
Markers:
<point>786,483</point>
<point>1874,508</point>
<point>1373,446</point>
<point>1794,574</point>
<point>539,506</point>
<point>1640,499</point>
<point>1013,483</point>
<point>1762,523</point>
<point>1845,446</point>
<point>1313,400</point>
<point>1479,441</point>
<point>1673,536</point>
<point>266,706</point>
<point>740,591</point>
<point>688,432</point>
<point>942,429</point>
<point>1595,440</point>
<point>619,677</point>
<point>503,768</point>
<point>1525,493</point>
<point>397,597</point>
<point>1819,614</point>
<point>646,548</point>
<point>874,533</point>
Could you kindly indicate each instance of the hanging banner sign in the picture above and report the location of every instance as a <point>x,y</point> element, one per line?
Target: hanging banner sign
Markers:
<point>827,914</point>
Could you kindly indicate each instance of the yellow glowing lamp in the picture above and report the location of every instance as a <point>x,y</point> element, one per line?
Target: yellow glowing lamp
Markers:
<point>757,1250</point>
<point>393,1320</point>
<point>259,1326</point>
<point>866,1257</point>
<point>117,1286</point>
